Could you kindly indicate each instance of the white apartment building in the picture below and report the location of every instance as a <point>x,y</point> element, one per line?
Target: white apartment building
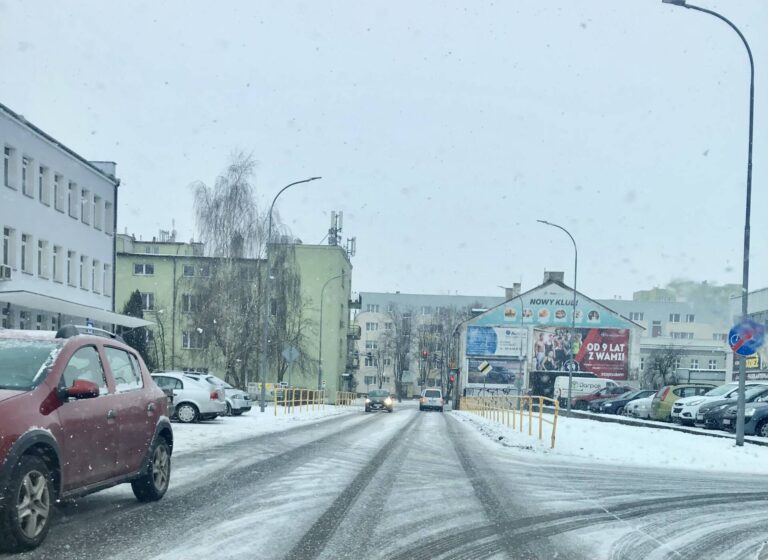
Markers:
<point>58,219</point>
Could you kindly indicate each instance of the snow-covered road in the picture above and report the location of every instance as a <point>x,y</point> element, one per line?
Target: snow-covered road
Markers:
<point>413,485</point>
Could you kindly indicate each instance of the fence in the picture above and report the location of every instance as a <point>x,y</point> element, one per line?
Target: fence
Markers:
<point>301,399</point>
<point>513,410</point>
<point>346,399</point>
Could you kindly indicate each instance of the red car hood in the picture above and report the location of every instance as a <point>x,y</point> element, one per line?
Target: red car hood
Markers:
<point>7,394</point>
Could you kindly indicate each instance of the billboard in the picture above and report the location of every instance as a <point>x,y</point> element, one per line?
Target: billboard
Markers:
<point>503,372</point>
<point>604,352</point>
<point>496,341</point>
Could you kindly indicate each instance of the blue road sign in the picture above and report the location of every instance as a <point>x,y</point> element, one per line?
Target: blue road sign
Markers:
<point>746,337</point>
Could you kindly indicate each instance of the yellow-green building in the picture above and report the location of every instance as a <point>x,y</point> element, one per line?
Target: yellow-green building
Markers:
<point>166,271</point>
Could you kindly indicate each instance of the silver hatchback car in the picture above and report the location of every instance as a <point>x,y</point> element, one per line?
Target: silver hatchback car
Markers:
<point>432,399</point>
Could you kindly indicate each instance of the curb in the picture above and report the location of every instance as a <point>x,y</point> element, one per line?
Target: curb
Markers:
<point>619,420</point>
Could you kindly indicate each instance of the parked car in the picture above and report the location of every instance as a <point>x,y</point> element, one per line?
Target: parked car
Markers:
<point>710,414</point>
<point>640,408</point>
<point>618,404</point>
<point>431,399</point>
<point>379,399</point>
<point>755,419</point>
<point>579,386</point>
<point>582,402</point>
<point>238,401</point>
<point>193,399</point>
<point>79,413</point>
<point>684,410</point>
<point>661,406</point>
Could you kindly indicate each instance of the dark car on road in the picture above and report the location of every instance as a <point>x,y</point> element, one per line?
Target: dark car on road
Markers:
<point>79,412</point>
<point>617,404</point>
<point>379,399</point>
<point>711,414</point>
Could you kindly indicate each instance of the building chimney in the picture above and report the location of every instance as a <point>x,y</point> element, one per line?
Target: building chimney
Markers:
<point>557,276</point>
<point>513,292</point>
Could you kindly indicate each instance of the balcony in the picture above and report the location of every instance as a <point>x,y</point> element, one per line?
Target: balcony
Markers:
<point>354,332</point>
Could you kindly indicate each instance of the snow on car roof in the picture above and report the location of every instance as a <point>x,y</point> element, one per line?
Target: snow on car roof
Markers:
<point>27,334</point>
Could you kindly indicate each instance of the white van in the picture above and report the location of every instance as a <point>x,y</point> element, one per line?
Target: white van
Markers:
<point>579,386</point>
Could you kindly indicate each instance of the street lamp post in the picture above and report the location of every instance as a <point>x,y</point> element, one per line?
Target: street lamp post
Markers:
<point>745,272</point>
<point>573,313</point>
<point>267,275</point>
<point>320,351</point>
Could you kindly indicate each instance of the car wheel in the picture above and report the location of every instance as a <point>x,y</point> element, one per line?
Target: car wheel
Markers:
<point>762,429</point>
<point>229,410</point>
<point>29,495</point>
<point>237,413</point>
<point>421,409</point>
<point>390,410</point>
<point>581,405</point>
<point>152,485</point>
<point>620,411</point>
<point>367,409</point>
<point>187,413</point>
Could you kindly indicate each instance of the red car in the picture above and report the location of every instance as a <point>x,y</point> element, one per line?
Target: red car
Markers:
<point>79,412</point>
<point>582,402</point>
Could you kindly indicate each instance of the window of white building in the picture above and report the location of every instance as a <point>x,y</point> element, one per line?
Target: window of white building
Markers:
<point>73,199</point>
<point>43,192</point>
<point>26,253</point>
<point>85,206</point>
<point>26,176</point>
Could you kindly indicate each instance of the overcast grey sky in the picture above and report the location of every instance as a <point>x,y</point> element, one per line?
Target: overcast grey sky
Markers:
<point>443,130</point>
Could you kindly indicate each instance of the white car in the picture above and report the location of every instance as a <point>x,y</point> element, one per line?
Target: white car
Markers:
<point>432,399</point>
<point>685,410</point>
<point>193,399</point>
<point>238,401</point>
<point>640,408</point>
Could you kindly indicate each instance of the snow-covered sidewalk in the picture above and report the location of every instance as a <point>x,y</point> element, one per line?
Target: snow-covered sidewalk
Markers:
<point>226,429</point>
<point>583,439</point>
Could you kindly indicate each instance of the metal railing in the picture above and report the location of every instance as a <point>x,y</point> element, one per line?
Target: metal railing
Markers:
<point>514,410</point>
<point>346,399</point>
<point>296,400</point>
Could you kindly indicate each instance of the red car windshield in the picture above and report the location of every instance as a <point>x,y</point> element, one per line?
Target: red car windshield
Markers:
<point>25,363</point>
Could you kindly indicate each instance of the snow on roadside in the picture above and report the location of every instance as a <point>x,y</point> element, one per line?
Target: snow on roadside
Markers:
<point>601,442</point>
<point>189,437</point>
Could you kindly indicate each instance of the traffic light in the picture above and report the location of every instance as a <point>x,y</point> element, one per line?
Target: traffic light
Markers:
<point>452,378</point>
<point>424,354</point>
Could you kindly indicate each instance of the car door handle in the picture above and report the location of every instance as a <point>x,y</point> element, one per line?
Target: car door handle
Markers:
<point>111,415</point>
<point>151,407</point>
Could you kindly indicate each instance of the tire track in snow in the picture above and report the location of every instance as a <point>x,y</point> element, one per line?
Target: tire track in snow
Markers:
<point>133,525</point>
<point>313,542</point>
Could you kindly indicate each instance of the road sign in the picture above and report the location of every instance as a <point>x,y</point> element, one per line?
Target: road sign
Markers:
<point>484,368</point>
<point>746,337</point>
<point>290,354</point>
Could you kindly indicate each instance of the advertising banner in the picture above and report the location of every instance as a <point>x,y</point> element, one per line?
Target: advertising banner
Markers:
<point>496,341</point>
<point>757,367</point>
<point>603,352</point>
<point>503,372</point>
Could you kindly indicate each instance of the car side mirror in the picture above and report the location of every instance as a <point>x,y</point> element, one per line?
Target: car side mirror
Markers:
<point>80,389</point>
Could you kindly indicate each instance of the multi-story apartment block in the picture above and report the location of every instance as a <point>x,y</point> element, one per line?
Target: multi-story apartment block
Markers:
<point>167,273</point>
<point>428,319</point>
<point>58,218</point>
<point>696,331</point>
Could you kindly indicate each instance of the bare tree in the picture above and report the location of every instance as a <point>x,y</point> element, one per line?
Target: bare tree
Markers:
<point>396,343</point>
<point>289,322</point>
<point>660,366</point>
<point>159,340</point>
<point>227,308</point>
